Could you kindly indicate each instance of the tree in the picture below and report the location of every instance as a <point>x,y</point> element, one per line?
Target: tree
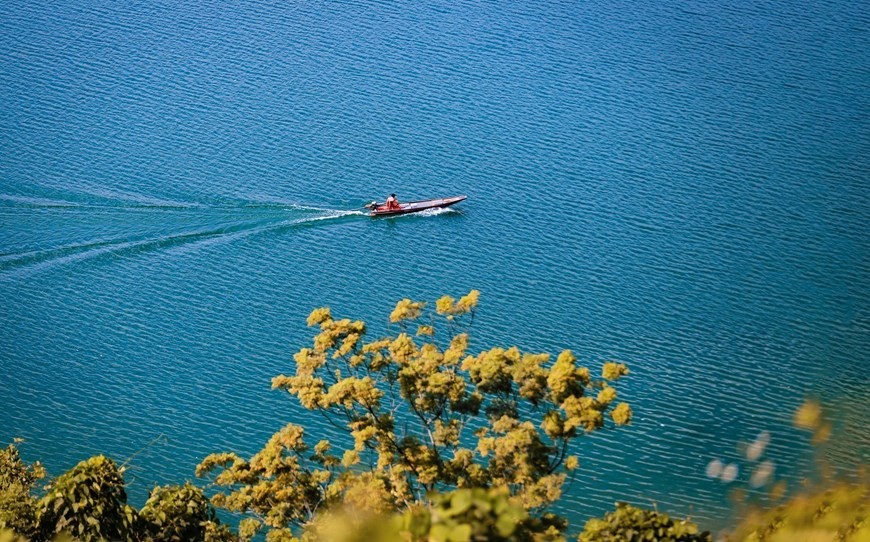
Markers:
<point>839,512</point>
<point>630,524</point>
<point>477,514</point>
<point>88,501</point>
<point>422,414</point>
<point>461,515</point>
<point>835,507</point>
<point>179,514</point>
<point>17,505</point>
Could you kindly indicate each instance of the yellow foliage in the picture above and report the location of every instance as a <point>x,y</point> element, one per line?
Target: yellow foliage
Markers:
<point>290,437</point>
<point>368,492</point>
<point>333,331</point>
<point>491,371</point>
<point>613,371</point>
<point>308,361</point>
<point>352,390</point>
<point>446,433</point>
<point>347,524</point>
<point>408,406</point>
<point>838,513</point>
<point>322,476</point>
<point>347,345</point>
<point>468,302</point>
<point>362,436</point>
<point>505,424</point>
<point>582,412</point>
<point>444,305</point>
<point>606,395</point>
<point>281,535</point>
<point>324,341</point>
<point>566,379</point>
<point>319,316</point>
<point>531,377</point>
<point>543,491</point>
<point>376,346</point>
<point>406,310</point>
<point>307,389</point>
<point>809,415</point>
<point>456,350</point>
<point>447,306</point>
<point>217,460</point>
<point>7,535</point>
<point>621,414</point>
<point>553,425</point>
<point>403,349</point>
<point>350,458</point>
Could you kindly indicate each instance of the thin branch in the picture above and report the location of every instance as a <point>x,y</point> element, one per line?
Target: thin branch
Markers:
<point>142,449</point>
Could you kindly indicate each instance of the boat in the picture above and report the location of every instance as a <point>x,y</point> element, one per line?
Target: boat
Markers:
<point>380,209</point>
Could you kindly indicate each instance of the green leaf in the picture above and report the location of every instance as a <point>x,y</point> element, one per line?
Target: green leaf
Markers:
<point>439,533</point>
<point>460,502</point>
<point>505,525</point>
<point>460,533</point>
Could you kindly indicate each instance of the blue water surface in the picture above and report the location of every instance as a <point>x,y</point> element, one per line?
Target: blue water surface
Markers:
<point>681,186</point>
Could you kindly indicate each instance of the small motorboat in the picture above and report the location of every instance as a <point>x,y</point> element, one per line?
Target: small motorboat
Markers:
<point>380,209</point>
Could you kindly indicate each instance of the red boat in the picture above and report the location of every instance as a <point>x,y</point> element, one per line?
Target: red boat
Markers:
<point>380,209</point>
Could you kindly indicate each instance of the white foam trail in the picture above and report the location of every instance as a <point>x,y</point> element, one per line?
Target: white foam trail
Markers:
<point>300,207</point>
<point>176,242</point>
<point>427,212</point>
<point>438,211</point>
<point>37,202</point>
<point>332,214</point>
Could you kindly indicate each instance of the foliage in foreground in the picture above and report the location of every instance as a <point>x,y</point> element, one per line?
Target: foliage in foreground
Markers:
<point>418,483</point>
<point>466,515</point>
<point>838,513</point>
<point>89,502</point>
<point>832,509</point>
<point>17,504</point>
<point>462,515</point>
<point>420,413</point>
<point>628,524</point>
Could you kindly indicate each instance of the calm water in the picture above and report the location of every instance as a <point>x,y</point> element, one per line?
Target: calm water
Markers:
<point>683,186</point>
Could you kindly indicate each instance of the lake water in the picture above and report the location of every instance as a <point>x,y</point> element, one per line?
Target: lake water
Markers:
<point>681,186</point>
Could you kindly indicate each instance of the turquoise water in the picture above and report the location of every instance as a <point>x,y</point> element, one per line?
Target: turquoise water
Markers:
<point>682,186</point>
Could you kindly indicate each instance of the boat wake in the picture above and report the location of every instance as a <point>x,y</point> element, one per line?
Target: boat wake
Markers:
<point>332,214</point>
<point>439,211</point>
<point>427,213</point>
<point>218,226</point>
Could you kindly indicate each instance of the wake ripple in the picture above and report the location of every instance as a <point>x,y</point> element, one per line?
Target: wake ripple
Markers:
<point>16,264</point>
<point>426,213</point>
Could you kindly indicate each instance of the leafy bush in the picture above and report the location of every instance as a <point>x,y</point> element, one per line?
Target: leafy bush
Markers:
<point>89,502</point>
<point>838,513</point>
<point>17,505</point>
<point>478,514</point>
<point>179,514</point>
<point>630,524</point>
<point>423,415</point>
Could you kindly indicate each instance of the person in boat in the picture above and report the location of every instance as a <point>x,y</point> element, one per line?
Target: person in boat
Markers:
<point>392,202</point>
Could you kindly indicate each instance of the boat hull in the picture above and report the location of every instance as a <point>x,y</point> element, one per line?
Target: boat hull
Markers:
<point>417,206</point>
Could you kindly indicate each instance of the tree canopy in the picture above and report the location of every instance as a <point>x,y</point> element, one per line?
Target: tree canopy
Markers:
<point>89,503</point>
<point>421,413</point>
<point>437,444</point>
